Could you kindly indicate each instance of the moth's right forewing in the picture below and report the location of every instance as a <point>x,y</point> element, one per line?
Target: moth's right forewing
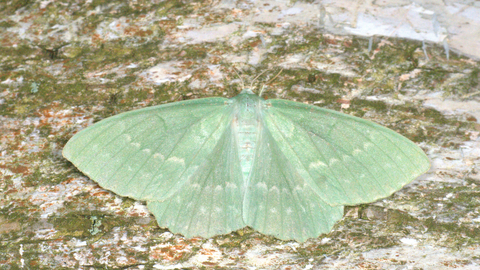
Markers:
<point>345,159</point>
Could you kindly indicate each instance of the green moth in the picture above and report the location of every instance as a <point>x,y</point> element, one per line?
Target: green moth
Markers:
<point>214,165</point>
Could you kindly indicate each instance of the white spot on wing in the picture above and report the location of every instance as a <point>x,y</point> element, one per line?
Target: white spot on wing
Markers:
<point>136,144</point>
<point>195,186</point>
<point>316,164</point>
<point>356,152</point>
<point>177,160</point>
<point>231,185</point>
<point>158,155</point>
<point>367,145</point>
<point>146,150</point>
<point>262,185</point>
<point>332,161</point>
<point>275,189</point>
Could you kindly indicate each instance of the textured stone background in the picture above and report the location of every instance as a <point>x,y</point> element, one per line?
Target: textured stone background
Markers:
<point>408,66</point>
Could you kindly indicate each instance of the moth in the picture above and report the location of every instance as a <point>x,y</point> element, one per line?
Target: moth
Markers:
<point>214,165</point>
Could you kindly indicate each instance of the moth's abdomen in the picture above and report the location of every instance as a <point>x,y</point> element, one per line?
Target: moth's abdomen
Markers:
<point>246,123</point>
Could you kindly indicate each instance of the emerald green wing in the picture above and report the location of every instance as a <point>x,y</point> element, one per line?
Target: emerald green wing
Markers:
<point>279,202</point>
<point>345,160</point>
<point>183,159</point>
<point>149,154</point>
<point>211,201</point>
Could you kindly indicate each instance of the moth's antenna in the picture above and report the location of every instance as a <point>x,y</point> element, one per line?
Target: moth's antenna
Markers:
<point>275,76</point>
<point>243,85</point>
<point>263,87</point>
<point>261,91</point>
<point>251,85</point>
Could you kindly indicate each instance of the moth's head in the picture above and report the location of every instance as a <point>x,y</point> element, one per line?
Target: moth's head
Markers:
<point>247,91</point>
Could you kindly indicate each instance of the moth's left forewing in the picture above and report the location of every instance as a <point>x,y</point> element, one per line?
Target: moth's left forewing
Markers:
<point>148,154</point>
<point>346,159</point>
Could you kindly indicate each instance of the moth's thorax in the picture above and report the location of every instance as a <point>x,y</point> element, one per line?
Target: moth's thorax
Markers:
<point>246,124</point>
